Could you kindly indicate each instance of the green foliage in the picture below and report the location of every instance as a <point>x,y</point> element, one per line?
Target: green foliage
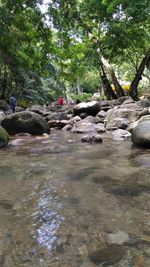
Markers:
<point>82,97</point>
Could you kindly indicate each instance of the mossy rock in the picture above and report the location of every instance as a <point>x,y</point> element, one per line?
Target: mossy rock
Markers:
<point>4,137</point>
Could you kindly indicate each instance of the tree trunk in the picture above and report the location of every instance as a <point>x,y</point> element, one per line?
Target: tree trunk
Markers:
<point>118,88</point>
<point>133,92</point>
<point>109,68</point>
<point>109,93</point>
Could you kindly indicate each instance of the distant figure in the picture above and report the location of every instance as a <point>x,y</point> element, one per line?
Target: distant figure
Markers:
<point>69,103</point>
<point>13,103</point>
<point>60,101</point>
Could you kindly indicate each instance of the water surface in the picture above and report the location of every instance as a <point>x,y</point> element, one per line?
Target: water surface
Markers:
<point>64,203</point>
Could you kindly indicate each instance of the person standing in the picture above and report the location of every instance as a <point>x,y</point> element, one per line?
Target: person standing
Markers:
<point>60,101</point>
<point>13,103</point>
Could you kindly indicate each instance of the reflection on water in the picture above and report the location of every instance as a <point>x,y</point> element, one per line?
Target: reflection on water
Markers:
<point>68,204</point>
<point>47,233</point>
<point>50,222</point>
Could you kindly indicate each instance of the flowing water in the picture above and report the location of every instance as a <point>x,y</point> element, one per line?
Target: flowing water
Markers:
<point>64,203</point>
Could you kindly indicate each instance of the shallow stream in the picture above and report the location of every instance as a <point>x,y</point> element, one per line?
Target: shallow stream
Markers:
<point>64,203</point>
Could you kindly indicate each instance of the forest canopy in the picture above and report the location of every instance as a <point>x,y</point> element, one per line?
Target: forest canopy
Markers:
<point>73,47</point>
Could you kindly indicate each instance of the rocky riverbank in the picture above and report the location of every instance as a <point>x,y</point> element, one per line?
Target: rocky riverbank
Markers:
<point>121,119</point>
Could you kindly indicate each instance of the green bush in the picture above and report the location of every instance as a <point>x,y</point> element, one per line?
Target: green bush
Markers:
<point>82,97</point>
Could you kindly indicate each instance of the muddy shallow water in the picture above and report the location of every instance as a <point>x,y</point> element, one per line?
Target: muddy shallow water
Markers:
<point>64,203</point>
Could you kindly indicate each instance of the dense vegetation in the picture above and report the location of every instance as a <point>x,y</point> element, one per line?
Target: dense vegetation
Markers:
<point>76,47</point>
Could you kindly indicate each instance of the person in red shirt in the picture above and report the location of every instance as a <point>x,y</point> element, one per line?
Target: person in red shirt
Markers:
<point>60,101</point>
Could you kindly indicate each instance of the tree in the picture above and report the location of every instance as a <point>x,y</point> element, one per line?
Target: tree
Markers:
<point>110,25</point>
<point>24,44</point>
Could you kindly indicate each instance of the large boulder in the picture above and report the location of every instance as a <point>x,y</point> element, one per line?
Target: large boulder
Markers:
<point>127,111</point>
<point>90,108</point>
<point>85,126</point>
<point>141,133</point>
<point>4,137</point>
<point>2,116</point>
<point>25,122</point>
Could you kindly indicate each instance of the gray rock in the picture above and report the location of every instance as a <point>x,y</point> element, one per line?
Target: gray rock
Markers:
<point>145,103</point>
<point>2,116</point>
<point>4,137</point>
<point>84,126</point>
<point>95,138</point>
<point>67,127</point>
<point>141,133</point>
<point>25,122</point>
<point>102,114</point>
<point>121,123</point>
<point>57,123</point>
<point>121,112</point>
<point>90,108</point>
<point>121,134</point>
<point>118,238</point>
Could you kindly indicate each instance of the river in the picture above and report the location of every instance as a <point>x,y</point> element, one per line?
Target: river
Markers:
<point>64,203</point>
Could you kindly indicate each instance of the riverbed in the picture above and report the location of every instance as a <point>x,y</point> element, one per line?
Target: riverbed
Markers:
<point>64,203</point>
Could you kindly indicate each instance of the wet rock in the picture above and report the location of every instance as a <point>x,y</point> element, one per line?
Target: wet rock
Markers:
<point>83,126</point>
<point>57,124</point>
<point>129,189</point>
<point>118,238</point>
<point>2,116</point>
<point>141,133</point>
<point>116,123</point>
<point>121,134</point>
<point>98,120</point>
<point>96,138</point>
<point>4,137</point>
<point>144,112</point>
<point>132,126</point>
<point>16,142</point>
<point>108,255</point>
<point>145,103</point>
<point>131,114</point>
<point>67,127</point>
<point>25,122</point>
<point>6,204</point>
<point>99,127</point>
<point>90,108</point>
<point>102,114</point>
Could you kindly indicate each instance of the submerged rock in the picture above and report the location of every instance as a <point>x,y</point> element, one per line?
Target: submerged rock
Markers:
<point>96,138</point>
<point>118,238</point>
<point>108,255</point>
